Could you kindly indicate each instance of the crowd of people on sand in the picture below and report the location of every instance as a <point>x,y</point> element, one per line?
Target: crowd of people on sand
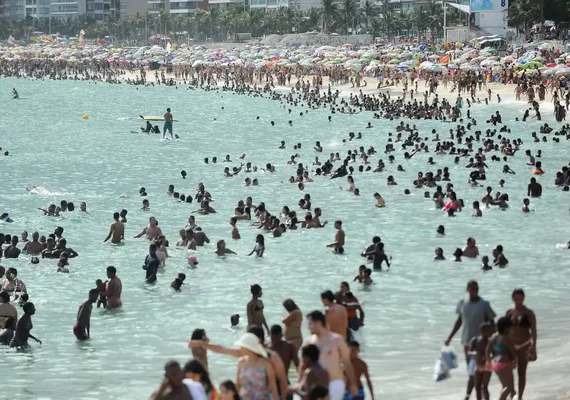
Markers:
<point>330,367</point>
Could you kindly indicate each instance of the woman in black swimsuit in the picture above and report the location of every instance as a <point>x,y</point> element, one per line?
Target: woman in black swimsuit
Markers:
<point>255,308</point>
<point>523,334</point>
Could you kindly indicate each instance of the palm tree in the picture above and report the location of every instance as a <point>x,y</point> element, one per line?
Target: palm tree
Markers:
<point>347,14</point>
<point>368,10</point>
<point>329,10</point>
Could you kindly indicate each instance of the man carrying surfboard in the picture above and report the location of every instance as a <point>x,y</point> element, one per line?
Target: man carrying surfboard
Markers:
<point>167,123</point>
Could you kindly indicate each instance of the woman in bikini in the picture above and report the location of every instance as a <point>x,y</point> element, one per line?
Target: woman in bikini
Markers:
<point>523,335</point>
<point>255,308</point>
<point>501,350</point>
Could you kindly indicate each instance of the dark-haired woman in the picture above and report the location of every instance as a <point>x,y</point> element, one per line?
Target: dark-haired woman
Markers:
<point>195,371</point>
<point>255,308</point>
<point>200,353</point>
<point>523,334</point>
<point>292,322</point>
<point>501,356</point>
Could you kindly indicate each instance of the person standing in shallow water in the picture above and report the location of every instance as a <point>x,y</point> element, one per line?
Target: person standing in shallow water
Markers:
<point>255,307</point>
<point>471,313</point>
<point>523,334</point>
<point>23,328</point>
<point>293,322</point>
<point>172,387</point>
<point>151,264</point>
<point>338,244</point>
<point>117,230</point>
<point>82,328</point>
<point>114,289</point>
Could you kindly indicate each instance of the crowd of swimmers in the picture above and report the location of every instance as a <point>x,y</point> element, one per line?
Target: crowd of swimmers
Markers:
<point>330,367</point>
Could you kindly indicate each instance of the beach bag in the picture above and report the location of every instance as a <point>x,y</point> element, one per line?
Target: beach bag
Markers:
<point>448,357</point>
<point>441,372</point>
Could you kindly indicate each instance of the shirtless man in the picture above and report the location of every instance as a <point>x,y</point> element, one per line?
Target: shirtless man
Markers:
<point>12,251</point>
<point>336,315</point>
<point>334,355</point>
<point>167,123</point>
<point>114,289</point>
<point>23,328</point>
<point>152,231</point>
<point>360,368</point>
<point>34,247</point>
<point>470,250</point>
<point>285,349</point>
<point>534,188</point>
<point>83,324</point>
<point>200,237</point>
<point>338,244</point>
<point>117,230</point>
<point>314,374</point>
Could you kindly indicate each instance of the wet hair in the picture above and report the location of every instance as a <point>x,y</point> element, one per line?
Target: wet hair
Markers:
<point>255,289</point>
<point>172,364</point>
<point>198,334</point>
<point>503,324</point>
<point>230,386</point>
<point>116,215</point>
<point>276,330</point>
<point>196,367</point>
<point>317,316</point>
<point>318,392</point>
<point>519,292</point>
<point>328,295</point>
<point>312,352</point>
<point>354,343</point>
<point>112,270</point>
<point>28,307</point>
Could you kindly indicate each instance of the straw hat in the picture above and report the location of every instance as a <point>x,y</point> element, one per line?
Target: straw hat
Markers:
<point>251,342</point>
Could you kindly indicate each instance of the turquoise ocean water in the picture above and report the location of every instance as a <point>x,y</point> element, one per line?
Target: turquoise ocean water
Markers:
<point>409,310</point>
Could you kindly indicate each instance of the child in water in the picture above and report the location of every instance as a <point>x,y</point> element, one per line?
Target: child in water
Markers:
<point>101,288</point>
<point>485,264</point>
<point>477,366</point>
<point>367,278</point>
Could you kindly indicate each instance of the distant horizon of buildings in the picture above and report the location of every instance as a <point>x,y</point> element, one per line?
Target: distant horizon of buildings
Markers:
<point>101,10</point>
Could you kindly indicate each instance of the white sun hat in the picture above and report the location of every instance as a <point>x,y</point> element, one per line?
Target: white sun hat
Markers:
<point>251,342</point>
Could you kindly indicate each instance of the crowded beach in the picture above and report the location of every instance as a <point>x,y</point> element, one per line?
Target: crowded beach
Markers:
<point>403,85</point>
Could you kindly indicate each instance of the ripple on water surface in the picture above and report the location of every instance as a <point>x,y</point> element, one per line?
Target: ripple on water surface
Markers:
<point>409,310</point>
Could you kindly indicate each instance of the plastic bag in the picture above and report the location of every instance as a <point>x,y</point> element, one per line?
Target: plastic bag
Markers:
<point>448,357</point>
<point>441,372</point>
<point>472,367</point>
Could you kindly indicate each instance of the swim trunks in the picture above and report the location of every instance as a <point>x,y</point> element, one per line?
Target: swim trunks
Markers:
<point>359,396</point>
<point>80,332</point>
<point>339,250</point>
<point>167,126</point>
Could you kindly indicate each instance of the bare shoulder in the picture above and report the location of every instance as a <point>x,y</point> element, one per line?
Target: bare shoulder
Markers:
<point>310,340</point>
<point>337,339</point>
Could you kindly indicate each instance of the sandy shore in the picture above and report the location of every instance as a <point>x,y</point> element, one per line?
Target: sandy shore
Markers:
<point>505,91</point>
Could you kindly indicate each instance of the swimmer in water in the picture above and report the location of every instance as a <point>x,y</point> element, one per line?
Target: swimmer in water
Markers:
<point>221,249</point>
<point>338,244</point>
<point>259,246</point>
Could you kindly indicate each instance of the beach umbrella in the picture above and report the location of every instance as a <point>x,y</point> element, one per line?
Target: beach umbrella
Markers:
<point>532,64</point>
<point>426,64</point>
<point>395,61</point>
<point>403,66</point>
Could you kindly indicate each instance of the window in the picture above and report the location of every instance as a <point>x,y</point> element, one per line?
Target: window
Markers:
<point>99,17</point>
<point>98,6</point>
<point>89,7</point>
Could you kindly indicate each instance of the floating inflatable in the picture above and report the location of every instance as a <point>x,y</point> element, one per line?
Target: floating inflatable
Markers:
<point>151,118</point>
